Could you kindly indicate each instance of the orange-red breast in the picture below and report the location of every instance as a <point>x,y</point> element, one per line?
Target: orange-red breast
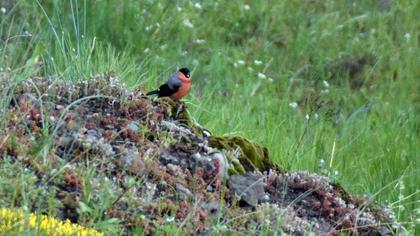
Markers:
<point>176,87</point>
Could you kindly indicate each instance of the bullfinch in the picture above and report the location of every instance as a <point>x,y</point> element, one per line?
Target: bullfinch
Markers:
<point>176,87</point>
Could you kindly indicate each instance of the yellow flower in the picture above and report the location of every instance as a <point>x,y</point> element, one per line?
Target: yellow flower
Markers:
<point>17,221</point>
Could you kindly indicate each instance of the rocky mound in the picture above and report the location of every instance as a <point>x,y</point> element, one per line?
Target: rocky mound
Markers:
<point>161,167</point>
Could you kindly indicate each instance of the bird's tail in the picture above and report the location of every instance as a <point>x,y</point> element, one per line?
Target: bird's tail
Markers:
<point>152,92</point>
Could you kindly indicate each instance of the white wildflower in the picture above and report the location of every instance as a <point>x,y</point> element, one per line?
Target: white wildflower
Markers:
<point>407,36</point>
<point>326,84</point>
<point>293,105</point>
<point>321,163</point>
<point>3,10</point>
<point>307,116</point>
<point>170,219</point>
<point>241,62</point>
<point>188,23</point>
<point>257,62</point>
<point>261,76</point>
<point>401,207</point>
<point>148,28</point>
<point>198,6</point>
<point>401,185</point>
<point>146,50</point>
<point>27,33</point>
<point>401,196</point>
<point>247,7</point>
<point>200,41</point>
<point>178,9</point>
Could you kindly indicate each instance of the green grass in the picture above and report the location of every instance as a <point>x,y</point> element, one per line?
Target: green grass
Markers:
<point>368,134</point>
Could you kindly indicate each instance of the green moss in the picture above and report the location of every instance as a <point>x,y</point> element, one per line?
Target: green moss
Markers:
<point>252,155</point>
<point>236,169</point>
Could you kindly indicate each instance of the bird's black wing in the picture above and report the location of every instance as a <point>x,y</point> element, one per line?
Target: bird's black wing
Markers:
<point>165,90</point>
<point>168,88</point>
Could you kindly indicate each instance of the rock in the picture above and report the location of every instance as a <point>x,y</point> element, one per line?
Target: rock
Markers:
<point>221,163</point>
<point>206,133</point>
<point>384,231</point>
<point>174,170</point>
<point>167,158</point>
<point>92,136</point>
<point>183,192</point>
<point>132,162</point>
<point>213,207</point>
<point>104,149</point>
<point>133,126</point>
<point>250,187</point>
<point>173,127</point>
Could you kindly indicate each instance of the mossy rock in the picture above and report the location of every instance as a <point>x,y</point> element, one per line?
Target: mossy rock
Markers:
<point>252,155</point>
<point>180,112</point>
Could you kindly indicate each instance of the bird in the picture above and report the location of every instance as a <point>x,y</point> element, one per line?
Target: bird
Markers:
<point>176,87</point>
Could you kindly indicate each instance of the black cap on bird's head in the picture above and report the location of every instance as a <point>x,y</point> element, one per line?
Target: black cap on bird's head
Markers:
<point>185,71</point>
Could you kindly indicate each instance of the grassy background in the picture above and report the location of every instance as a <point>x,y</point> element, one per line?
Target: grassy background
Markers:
<point>351,66</point>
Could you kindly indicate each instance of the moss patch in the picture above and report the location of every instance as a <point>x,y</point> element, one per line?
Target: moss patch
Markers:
<point>252,155</point>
